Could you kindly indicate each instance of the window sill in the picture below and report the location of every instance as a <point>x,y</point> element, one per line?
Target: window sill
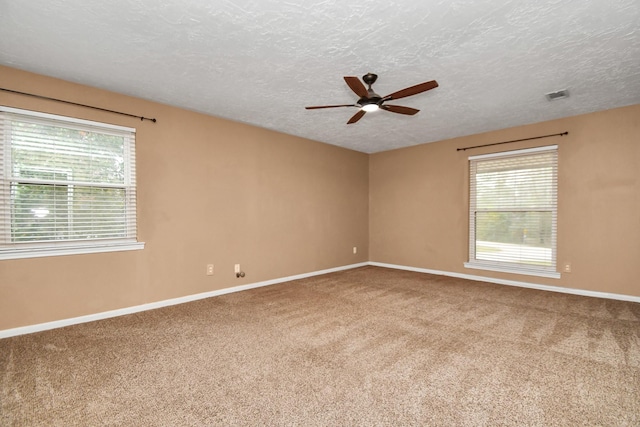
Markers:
<point>514,270</point>
<point>37,252</point>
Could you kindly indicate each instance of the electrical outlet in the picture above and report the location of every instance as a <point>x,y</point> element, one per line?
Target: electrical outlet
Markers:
<point>209,269</point>
<point>237,268</point>
<point>567,267</point>
<point>355,249</point>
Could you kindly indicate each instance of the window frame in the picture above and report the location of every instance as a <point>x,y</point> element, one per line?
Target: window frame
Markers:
<point>19,250</point>
<point>513,267</point>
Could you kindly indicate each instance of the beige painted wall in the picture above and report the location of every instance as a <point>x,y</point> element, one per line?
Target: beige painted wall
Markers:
<point>209,191</point>
<point>221,192</point>
<point>419,201</point>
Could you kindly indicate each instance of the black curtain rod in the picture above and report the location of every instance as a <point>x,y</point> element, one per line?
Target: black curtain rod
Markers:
<point>76,104</point>
<point>515,140</point>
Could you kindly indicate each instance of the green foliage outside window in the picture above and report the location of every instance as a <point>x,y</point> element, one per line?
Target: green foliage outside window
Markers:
<point>67,183</point>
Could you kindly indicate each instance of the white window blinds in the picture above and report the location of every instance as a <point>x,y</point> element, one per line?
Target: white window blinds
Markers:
<point>64,182</point>
<point>513,211</point>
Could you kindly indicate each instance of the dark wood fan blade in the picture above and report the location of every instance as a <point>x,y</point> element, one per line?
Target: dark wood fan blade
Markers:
<point>356,117</point>
<point>400,109</point>
<point>413,90</point>
<point>330,106</point>
<point>357,86</point>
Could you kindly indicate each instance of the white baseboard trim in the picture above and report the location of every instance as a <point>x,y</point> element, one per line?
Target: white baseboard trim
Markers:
<point>560,289</point>
<point>174,301</point>
<point>159,304</point>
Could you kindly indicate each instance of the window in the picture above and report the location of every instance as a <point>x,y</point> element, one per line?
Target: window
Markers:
<point>67,186</point>
<point>513,211</point>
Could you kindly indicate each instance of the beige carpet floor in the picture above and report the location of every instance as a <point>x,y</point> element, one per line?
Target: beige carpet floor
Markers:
<point>363,347</point>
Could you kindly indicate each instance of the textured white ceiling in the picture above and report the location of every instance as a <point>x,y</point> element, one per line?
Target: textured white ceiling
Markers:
<point>262,61</point>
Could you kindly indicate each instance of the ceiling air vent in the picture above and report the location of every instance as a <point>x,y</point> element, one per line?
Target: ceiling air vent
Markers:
<point>557,95</point>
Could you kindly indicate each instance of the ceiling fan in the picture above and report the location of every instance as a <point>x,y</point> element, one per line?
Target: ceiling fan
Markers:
<point>370,101</point>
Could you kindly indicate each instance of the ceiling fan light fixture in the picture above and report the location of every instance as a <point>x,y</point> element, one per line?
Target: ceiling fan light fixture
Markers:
<point>369,108</point>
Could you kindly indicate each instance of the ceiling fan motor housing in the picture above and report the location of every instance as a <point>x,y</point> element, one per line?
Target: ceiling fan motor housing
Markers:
<point>372,97</point>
